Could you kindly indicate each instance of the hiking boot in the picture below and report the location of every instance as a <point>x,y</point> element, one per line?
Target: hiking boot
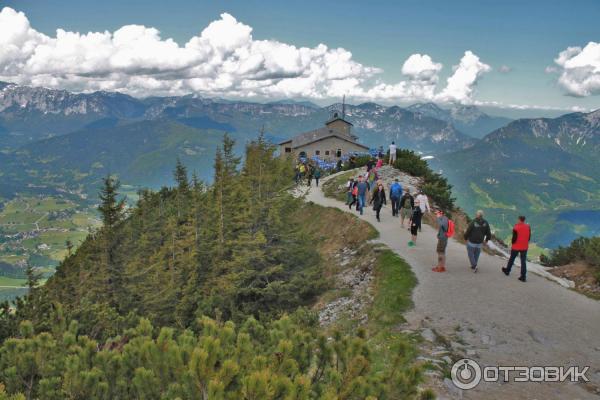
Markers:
<point>506,272</point>
<point>522,279</point>
<point>439,269</point>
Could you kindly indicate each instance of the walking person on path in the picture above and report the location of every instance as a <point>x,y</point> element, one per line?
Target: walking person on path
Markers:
<point>415,222</point>
<point>424,202</point>
<point>370,164</point>
<point>372,179</point>
<point>309,173</point>
<point>478,232</point>
<point>395,195</point>
<point>297,174</point>
<point>407,202</point>
<point>393,149</point>
<point>349,188</point>
<point>354,196</point>
<point>362,193</point>
<point>378,199</point>
<point>442,243</point>
<point>520,244</point>
<point>317,175</point>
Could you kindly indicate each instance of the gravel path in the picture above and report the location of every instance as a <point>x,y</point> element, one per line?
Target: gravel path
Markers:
<point>500,320</point>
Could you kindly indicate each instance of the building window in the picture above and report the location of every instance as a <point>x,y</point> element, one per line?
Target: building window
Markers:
<point>317,152</point>
<point>302,154</point>
<point>326,152</point>
<point>339,153</point>
<point>288,149</point>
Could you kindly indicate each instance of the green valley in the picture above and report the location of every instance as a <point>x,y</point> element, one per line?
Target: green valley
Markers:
<point>546,169</point>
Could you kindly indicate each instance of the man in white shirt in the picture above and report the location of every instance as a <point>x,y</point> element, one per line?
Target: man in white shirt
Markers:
<point>392,153</point>
<point>423,203</point>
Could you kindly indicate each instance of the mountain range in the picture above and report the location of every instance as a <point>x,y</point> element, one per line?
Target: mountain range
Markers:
<point>466,118</point>
<point>547,169</point>
<point>544,167</point>
<point>29,114</point>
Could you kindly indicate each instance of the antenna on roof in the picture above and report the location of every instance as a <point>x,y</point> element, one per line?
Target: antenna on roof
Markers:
<point>344,107</point>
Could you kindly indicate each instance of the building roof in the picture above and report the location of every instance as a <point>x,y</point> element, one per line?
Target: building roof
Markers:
<point>337,118</point>
<point>319,134</point>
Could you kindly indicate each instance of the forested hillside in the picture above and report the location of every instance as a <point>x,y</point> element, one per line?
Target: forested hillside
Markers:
<point>140,309</point>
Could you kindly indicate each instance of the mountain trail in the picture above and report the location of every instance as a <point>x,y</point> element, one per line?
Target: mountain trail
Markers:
<point>493,319</point>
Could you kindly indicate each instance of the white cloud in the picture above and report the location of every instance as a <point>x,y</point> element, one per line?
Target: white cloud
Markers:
<point>421,67</point>
<point>460,84</point>
<point>580,70</point>
<point>223,60</point>
<point>504,69</point>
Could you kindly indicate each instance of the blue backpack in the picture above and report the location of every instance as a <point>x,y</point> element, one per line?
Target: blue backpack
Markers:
<point>396,190</point>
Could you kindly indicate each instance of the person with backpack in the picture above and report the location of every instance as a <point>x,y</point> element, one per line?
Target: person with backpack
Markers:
<point>309,173</point>
<point>395,195</point>
<point>415,222</point>
<point>520,244</point>
<point>372,179</point>
<point>378,199</point>
<point>445,231</point>
<point>407,202</point>
<point>317,175</point>
<point>476,234</point>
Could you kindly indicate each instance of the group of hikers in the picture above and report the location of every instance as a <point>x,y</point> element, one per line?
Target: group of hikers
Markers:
<point>307,170</point>
<point>368,189</point>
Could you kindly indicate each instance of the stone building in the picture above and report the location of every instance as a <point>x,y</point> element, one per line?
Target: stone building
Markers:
<point>329,143</point>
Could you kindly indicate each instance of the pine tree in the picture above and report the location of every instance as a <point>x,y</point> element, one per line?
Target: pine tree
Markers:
<point>109,273</point>
<point>110,207</point>
<point>181,176</point>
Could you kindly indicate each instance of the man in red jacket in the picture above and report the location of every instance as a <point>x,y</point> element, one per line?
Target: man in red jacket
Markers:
<point>520,245</point>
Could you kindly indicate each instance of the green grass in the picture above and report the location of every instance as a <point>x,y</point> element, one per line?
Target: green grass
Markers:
<point>395,351</point>
<point>484,200</point>
<point>394,284</point>
<point>5,281</point>
<point>331,188</point>
<point>559,176</point>
<point>56,241</point>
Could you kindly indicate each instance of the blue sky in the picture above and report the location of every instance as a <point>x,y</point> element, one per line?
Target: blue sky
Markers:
<point>520,39</point>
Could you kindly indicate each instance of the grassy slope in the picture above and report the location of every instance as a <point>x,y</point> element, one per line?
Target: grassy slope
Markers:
<point>392,291</point>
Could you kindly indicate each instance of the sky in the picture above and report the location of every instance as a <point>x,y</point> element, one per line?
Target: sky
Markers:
<point>512,54</point>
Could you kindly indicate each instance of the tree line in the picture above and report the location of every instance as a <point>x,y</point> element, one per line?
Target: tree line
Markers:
<point>198,291</point>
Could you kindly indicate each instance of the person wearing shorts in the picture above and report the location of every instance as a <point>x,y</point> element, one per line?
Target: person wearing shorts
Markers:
<point>406,206</point>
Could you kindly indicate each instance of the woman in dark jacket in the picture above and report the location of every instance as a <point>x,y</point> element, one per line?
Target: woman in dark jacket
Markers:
<point>415,222</point>
<point>378,198</point>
